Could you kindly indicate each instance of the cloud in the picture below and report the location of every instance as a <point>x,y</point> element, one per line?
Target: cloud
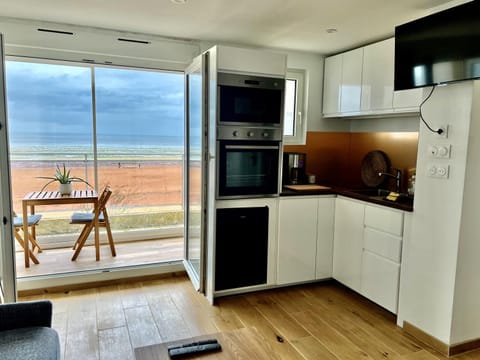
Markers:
<point>49,98</point>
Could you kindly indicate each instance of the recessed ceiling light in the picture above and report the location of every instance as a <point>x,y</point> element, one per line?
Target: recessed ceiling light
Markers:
<point>331,30</point>
<point>179,1</point>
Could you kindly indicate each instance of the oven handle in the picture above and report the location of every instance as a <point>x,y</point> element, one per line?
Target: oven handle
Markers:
<point>250,147</point>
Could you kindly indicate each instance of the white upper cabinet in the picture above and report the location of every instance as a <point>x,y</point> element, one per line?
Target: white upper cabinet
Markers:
<point>377,80</point>
<point>360,82</point>
<point>351,81</point>
<point>407,100</point>
<point>258,62</point>
<point>343,83</point>
<point>332,84</point>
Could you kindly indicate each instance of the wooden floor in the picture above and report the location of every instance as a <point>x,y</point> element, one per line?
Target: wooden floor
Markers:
<point>58,261</point>
<point>318,321</point>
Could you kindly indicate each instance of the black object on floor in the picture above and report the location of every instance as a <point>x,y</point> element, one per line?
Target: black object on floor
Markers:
<point>195,343</point>
<point>194,349</point>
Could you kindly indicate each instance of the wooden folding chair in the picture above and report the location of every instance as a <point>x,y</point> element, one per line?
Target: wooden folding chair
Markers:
<point>32,221</point>
<point>88,222</point>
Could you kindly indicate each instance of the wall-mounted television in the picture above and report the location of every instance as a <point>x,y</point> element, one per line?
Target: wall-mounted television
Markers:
<point>439,48</point>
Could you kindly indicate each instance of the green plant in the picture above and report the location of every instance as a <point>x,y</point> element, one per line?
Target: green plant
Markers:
<point>63,177</point>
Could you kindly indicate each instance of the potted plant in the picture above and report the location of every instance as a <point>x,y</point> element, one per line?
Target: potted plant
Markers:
<point>64,179</point>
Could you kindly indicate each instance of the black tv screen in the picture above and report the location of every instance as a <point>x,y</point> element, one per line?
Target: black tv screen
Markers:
<point>439,48</point>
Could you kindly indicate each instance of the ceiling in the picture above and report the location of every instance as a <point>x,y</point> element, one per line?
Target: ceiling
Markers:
<point>288,24</point>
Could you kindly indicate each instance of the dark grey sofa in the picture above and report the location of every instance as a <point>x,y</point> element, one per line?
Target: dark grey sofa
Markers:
<point>26,332</point>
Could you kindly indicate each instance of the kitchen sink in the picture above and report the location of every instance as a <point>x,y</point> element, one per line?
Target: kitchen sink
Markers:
<point>379,196</point>
<point>371,192</point>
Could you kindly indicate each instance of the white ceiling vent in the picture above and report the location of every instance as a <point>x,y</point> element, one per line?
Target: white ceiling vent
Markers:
<point>134,41</point>
<point>55,31</point>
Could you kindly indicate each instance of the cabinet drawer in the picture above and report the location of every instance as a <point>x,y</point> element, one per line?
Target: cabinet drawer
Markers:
<point>383,244</point>
<point>383,219</point>
<point>380,280</point>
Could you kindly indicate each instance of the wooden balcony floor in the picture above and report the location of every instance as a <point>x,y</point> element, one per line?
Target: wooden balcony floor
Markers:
<point>58,261</point>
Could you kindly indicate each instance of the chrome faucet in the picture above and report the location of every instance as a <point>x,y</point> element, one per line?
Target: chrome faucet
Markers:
<point>397,177</point>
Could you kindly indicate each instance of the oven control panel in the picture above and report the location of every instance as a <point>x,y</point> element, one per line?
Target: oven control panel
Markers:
<point>248,133</point>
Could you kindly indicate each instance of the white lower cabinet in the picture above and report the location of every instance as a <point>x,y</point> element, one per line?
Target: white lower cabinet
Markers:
<point>356,243</point>
<point>382,252</point>
<point>367,250</point>
<point>305,239</point>
<point>325,218</point>
<point>348,242</point>
<point>380,278</point>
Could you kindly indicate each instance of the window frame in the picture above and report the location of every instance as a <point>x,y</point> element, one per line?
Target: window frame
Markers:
<point>61,240</point>
<point>300,119</point>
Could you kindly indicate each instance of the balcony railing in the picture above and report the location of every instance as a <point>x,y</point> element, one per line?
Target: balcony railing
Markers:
<point>147,198</point>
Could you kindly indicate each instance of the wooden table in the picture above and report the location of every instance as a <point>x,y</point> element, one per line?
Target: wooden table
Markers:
<point>245,343</point>
<point>55,198</point>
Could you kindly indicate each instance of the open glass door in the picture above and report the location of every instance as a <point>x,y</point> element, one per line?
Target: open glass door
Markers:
<point>195,171</point>
<point>7,265</point>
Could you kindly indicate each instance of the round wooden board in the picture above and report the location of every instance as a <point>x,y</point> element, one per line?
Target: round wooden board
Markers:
<point>373,163</point>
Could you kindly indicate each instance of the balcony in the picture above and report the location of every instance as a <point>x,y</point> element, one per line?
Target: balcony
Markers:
<point>146,212</point>
<point>58,261</point>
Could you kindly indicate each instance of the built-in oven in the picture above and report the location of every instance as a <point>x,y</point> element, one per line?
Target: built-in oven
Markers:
<point>245,100</point>
<point>248,162</point>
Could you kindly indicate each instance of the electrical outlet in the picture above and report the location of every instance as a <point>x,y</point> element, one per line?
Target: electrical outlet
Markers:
<point>444,134</point>
<point>439,151</point>
<point>438,171</point>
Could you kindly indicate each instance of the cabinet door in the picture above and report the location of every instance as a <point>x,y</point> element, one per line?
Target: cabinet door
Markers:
<point>380,280</point>
<point>332,81</point>
<point>348,242</point>
<point>383,244</point>
<point>324,262</point>
<point>259,62</point>
<point>383,219</point>
<point>407,100</point>
<point>351,81</point>
<point>377,76</point>
<point>297,237</point>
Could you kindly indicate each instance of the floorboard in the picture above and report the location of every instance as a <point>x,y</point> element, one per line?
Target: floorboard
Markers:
<point>315,321</point>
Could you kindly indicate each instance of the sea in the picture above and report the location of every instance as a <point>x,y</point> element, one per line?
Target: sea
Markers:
<point>36,150</point>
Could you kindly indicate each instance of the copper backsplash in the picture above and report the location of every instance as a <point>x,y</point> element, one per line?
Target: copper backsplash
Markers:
<point>336,157</point>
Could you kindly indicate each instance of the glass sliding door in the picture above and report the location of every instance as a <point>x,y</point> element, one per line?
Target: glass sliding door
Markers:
<point>140,147</point>
<point>50,124</point>
<point>195,168</point>
<point>121,127</point>
<point>7,261</point>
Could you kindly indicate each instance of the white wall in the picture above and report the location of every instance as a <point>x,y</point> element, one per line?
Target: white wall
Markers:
<point>466,309</point>
<point>409,123</point>
<point>430,259</point>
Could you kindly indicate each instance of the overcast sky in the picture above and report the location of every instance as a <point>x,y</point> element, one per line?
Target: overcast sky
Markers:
<point>46,99</point>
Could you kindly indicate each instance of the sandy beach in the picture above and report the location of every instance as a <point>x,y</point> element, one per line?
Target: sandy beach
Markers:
<point>136,184</point>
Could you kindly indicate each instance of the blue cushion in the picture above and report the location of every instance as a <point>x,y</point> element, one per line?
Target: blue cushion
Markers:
<point>85,217</point>
<point>32,220</point>
<point>32,343</point>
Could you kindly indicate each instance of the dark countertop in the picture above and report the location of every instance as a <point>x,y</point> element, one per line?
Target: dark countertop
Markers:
<point>368,195</point>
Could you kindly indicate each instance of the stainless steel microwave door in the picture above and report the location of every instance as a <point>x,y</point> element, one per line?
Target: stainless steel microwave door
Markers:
<point>195,116</point>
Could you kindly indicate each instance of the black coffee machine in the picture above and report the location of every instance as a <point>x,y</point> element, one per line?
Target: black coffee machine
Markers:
<point>294,168</point>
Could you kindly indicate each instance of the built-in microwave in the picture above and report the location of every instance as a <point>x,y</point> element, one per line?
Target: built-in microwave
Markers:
<point>245,100</point>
